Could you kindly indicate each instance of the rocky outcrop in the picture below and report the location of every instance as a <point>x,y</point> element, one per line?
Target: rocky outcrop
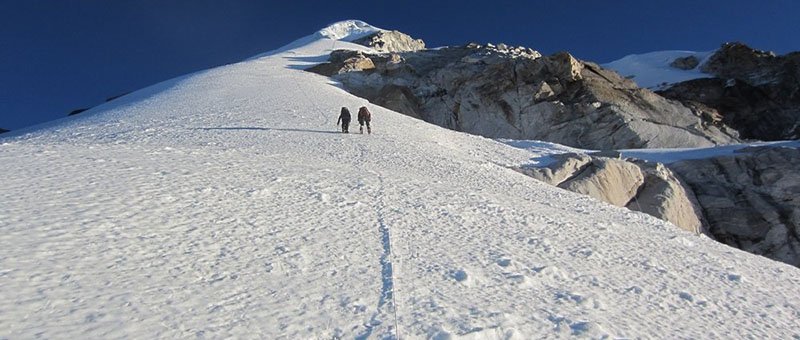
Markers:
<point>343,61</point>
<point>391,41</point>
<point>81,110</point>
<point>3,130</point>
<point>117,96</point>
<point>647,187</point>
<point>77,111</point>
<point>754,92</point>
<point>748,200</point>
<point>685,63</point>
<point>737,60</point>
<point>751,199</point>
<point>513,92</point>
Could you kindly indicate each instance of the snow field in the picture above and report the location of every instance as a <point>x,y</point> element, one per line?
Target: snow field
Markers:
<point>225,204</point>
<point>652,70</point>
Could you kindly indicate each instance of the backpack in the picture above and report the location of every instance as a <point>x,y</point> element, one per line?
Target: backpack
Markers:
<point>364,114</point>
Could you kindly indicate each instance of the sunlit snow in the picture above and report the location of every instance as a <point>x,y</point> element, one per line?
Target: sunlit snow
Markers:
<point>226,204</point>
<point>652,70</point>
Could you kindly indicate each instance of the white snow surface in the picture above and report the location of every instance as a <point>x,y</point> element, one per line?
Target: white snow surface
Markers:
<point>542,152</point>
<point>674,155</point>
<point>225,204</point>
<point>346,30</point>
<point>652,70</point>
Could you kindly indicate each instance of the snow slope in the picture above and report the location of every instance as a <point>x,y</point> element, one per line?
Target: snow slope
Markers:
<point>225,204</point>
<point>652,70</point>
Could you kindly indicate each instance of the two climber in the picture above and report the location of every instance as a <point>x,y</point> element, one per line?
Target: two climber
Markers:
<point>364,117</point>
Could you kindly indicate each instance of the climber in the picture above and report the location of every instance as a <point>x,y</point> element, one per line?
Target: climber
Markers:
<point>364,116</point>
<point>344,118</point>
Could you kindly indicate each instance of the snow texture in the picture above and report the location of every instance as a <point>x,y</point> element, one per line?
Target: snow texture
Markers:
<point>225,204</point>
<point>652,70</point>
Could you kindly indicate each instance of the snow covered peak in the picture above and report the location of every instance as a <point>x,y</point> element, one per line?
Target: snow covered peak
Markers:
<point>348,30</point>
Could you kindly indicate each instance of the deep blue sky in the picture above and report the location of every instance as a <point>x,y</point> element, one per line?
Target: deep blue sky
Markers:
<point>59,55</point>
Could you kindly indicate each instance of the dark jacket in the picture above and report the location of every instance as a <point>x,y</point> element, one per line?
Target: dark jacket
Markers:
<point>364,115</point>
<point>344,116</point>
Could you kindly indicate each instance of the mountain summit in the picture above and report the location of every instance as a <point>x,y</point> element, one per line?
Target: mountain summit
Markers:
<point>226,204</point>
<point>348,30</point>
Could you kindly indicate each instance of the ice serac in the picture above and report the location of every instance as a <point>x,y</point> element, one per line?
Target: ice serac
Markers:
<point>750,199</point>
<point>513,92</point>
<point>754,92</point>
<point>647,187</point>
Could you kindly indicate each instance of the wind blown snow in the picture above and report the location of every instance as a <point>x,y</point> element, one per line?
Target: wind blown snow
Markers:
<point>225,204</point>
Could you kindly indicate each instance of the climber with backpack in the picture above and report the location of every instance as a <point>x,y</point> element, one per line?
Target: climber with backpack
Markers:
<point>344,118</point>
<point>364,116</point>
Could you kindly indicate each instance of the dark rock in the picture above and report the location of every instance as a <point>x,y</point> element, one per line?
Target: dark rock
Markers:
<point>754,111</point>
<point>685,63</point>
<point>3,130</point>
<point>750,199</point>
<point>77,111</point>
<point>737,60</point>
<point>117,96</point>
<point>607,154</point>
<point>753,92</point>
<point>342,61</point>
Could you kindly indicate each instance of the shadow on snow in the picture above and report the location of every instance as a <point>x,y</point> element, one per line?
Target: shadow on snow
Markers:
<point>265,129</point>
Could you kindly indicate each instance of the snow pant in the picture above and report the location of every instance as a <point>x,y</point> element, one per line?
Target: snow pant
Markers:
<point>361,122</point>
<point>346,126</point>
